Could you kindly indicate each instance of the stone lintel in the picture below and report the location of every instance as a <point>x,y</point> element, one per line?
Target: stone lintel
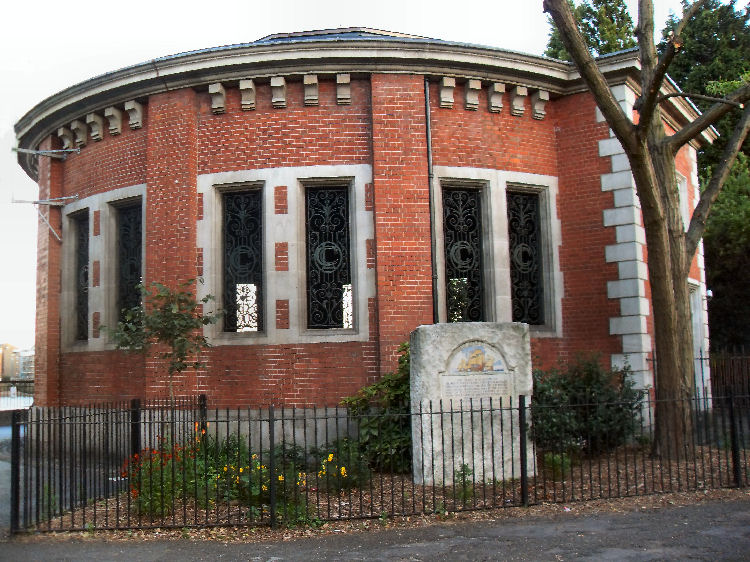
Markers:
<point>343,89</point>
<point>135,114</point>
<point>218,98</point>
<point>278,91</point>
<point>310,82</point>
<point>114,119</point>
<point>80,132</point>
<point>247,92</point>
<point>495,97</point>
<point>473,87</point>
<point>517,96</point>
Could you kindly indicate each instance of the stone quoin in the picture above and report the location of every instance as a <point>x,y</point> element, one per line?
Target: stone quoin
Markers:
<point>335,190</point>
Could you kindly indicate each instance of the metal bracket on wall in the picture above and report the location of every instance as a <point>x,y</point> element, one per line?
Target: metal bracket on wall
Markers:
<point>55,202</point>
<point>60,154</point>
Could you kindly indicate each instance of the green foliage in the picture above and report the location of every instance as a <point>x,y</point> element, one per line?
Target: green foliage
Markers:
<point>583,407</point>
<point>343,466</point>
<point>464,483</point>
<point>557,464</point>
<point>727,248</point>
<point>383,412</point>
<point>606,27</point>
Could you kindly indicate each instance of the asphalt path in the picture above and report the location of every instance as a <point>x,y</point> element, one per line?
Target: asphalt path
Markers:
<point>705,531</point>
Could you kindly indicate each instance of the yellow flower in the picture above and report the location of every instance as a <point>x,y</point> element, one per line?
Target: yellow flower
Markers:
<point>281,477</point>
<point>241,469</point>
<point>265,488</point>
<point>330,457</point>
<point>321,473</point>
<point>343,471</point>
<point>225,469</point>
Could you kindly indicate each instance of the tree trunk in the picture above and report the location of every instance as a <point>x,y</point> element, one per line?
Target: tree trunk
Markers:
<point>668,267</point>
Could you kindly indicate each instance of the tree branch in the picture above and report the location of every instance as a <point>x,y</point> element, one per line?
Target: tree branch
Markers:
<point>571,37</point>
<point>647,102</point>
<point>718,177</point>
<point>712,114</point>
<point>699,97</point>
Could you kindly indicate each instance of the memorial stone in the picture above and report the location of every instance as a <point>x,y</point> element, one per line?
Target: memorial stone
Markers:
<point>465,381</point>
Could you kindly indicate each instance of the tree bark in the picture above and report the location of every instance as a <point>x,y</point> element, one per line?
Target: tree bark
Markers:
<point>651,154</point>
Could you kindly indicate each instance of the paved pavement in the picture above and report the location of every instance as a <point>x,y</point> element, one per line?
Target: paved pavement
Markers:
<point>707,531</point>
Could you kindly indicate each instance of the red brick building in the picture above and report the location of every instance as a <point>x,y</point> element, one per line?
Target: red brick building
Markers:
<point>335,190</point>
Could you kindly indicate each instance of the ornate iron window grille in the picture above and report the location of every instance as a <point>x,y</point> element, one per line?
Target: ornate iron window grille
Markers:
<point>524,234</point>
<point>130,256</point>
<point>82,275</point>
<point>243,261</point>
<point>462,231</point>
<point>329,285</point>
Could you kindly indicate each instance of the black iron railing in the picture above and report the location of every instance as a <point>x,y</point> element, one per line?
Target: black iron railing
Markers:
<point>143,464</point>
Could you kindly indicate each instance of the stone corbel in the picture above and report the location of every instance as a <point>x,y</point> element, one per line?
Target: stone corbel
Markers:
<point>343,89</point>
<point>135,114</point>
<point>495,97</point>
<point>96,125</point>
<point>473,88</point>
<point>218,98</point>
<point>538,101</point>
<point>66,136</point>
<point>114,117</point>
<point>310,82</point>
<point>278,91</point>
<point>517,97</point>
<point>447,84</point>
<point>80,132</point>
<point>247,91</point>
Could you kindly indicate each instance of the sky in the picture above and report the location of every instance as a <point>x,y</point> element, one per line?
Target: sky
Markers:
<point>46,46</point>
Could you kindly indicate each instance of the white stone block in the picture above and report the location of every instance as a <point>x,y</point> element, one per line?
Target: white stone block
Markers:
<point>447,85</point>
<point>114,119</point>
<point>636,343</point>
<point>538,101</point>
<point>135,114</point>
<point>623,252</point>
<point>634,306</point>
<point>622,215</point>
<point>626,197</point>
<point>636,361</point>
<point>617,180</point>
<point>608,147</point>
<point>627,325</point>
<point>620,163</point>
<point>630,233</point>
<point>80,132</point>
<point>625,288</point>
<point>632,270</point>
<point>67,138</point>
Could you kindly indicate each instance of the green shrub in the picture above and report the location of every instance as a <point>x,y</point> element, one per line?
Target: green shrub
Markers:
<point>383,412</point>
<point>342,466</point>
<point>583,407</point>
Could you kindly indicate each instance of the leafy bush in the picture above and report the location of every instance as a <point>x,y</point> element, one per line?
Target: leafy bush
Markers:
<point>383,411</point>
<point>584,407</point>
<point>343,467</point>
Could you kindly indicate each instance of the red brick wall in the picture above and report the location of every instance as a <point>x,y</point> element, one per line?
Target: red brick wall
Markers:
<point>402,211</point>
<point>585,307</point>
<point>480,139</point>
<point>48,284</point>
<point>296,135</point>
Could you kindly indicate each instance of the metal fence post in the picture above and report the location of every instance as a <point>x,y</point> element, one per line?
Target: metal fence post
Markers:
<point>735,442</point>
<point>522,450</point>
<point>15,471</point>
<point>271,472</point>
<point>203,413</point>
<point>135,426</point>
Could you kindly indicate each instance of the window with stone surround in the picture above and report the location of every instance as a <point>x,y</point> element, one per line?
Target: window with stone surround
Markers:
<point>526,256</point>
<point>464,271</point>
<point>81,228</point>
<point>328,255</point>
<point>129,255</point>
<point>242,240</point>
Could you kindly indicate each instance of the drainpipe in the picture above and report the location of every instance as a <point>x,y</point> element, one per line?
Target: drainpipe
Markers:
<point>435,316</point>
